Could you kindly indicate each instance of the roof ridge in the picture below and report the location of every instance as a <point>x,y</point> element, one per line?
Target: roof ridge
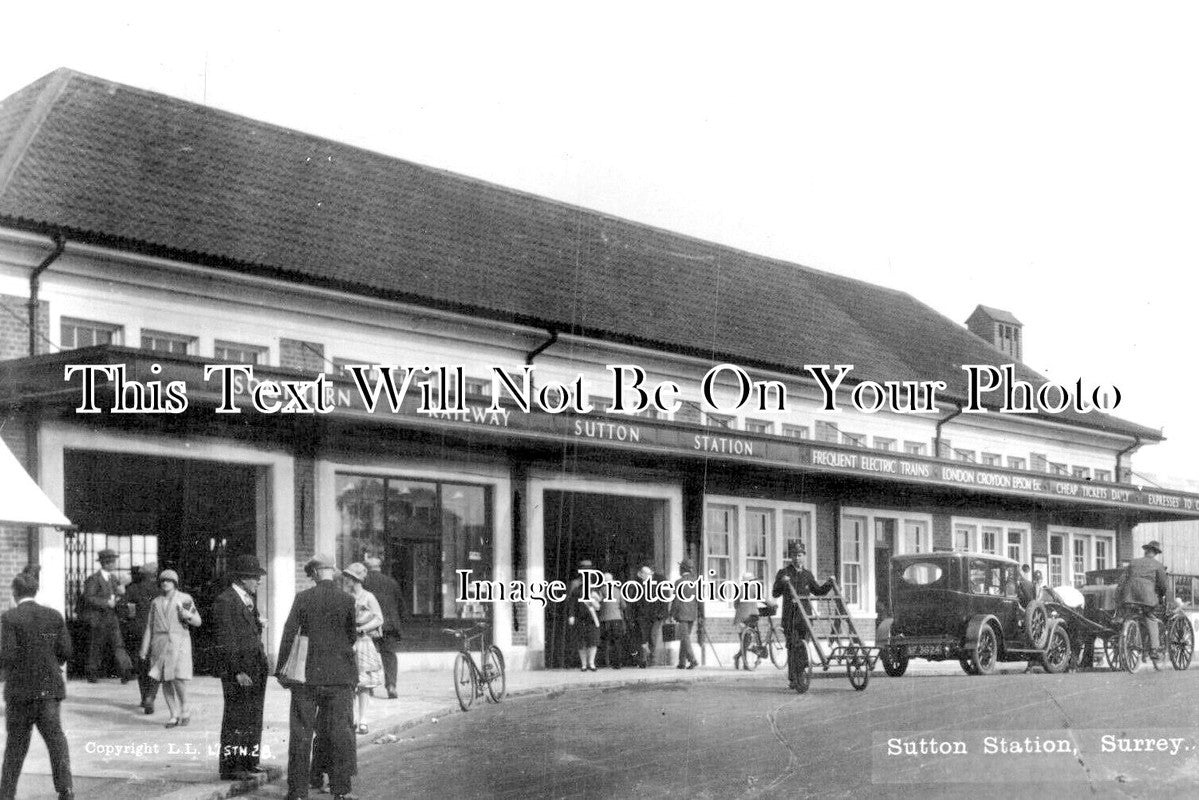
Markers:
<point>10,159</point>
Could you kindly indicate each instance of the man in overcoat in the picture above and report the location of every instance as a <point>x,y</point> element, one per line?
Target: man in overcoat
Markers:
<point>325,614</point>
<point>33,647</point>
<point>387,591</point>
<point>796,576</point>
<point>1142,588</point>
<point>102,593</point>
<point>242,666</point>
<point>138,597</point>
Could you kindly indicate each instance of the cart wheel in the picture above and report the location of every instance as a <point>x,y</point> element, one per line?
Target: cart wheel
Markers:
<point>1181,638</point>
<point>857,665</point>
<point>986,651</point>
<point>804,682</point>
<point>1131,650</point>
<point>1036,623</point>
<point>895,661</point>
<point>1057,652</point>
<point>1111,651</point>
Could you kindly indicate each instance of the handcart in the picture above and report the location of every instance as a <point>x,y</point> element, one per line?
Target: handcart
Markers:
<point>833,636</point>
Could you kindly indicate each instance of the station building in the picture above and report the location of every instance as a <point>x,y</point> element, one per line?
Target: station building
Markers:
<point>161,237</point>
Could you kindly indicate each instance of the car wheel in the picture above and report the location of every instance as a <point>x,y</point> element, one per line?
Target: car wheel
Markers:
<point>895,661</point>
<point>986,651</point>
<point>1057,652</point>
<point>967,664</point>
<point>1036,624</point>
<point>1181,638</point>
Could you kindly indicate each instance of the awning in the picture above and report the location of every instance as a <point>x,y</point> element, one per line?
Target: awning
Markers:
<point>22,502</point>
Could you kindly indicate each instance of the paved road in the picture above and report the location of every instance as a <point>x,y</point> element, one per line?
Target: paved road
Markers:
<point>750,738</point>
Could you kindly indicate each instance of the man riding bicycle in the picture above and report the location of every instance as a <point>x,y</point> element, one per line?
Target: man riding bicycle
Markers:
<point>1142,588</point>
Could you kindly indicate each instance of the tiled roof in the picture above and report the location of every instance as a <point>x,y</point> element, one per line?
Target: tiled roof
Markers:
<point>996,314</point>
<point>112,164</point>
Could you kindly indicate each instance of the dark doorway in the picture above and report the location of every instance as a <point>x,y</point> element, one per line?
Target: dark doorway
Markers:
<point>617,533</point>
<point>187,515</point>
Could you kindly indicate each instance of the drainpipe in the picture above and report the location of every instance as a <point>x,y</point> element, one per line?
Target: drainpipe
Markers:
<point>32,457</point>
<point>1136,442</point>
<point>937,438</point>
<point>34,284</point>
<point>539,349</point>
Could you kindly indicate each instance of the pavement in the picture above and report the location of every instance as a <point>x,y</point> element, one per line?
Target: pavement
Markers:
<point>116,749</point>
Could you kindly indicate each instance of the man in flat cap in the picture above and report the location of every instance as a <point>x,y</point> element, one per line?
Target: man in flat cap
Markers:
<point>102,593</point>
<point>325,615</point>
<point>1142,588</point>
<point>241,664</point>
<point>387,592</point>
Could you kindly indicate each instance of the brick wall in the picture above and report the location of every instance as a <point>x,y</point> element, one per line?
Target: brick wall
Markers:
<point>305,356</point>
<point>14,554</point>
<point>14,326</point>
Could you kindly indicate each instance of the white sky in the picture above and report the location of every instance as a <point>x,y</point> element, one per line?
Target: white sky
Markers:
<point>1042,158</point>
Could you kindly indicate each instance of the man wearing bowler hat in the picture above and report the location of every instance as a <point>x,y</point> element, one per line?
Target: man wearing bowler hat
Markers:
<point>1142,588</point>
<point>241,664</point>
<point>324,614</point>
<point>102,593</point>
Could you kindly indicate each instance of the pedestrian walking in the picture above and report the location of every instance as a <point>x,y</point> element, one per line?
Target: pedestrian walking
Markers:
<point>613,637</point>
<point>583,619</point>
<point>368,622</point>
<point>387,591</point>
<point>685,611</point>
<point>321,676</point>
<point>644,614</point>
<point>242,666</point>
<point>33,647</point>
<point>167,643</point>
<point>794,580</point>
<point>138,597</point>
<point>102,593</point>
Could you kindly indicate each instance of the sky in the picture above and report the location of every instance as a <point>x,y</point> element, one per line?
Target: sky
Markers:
<point>1039,158</point>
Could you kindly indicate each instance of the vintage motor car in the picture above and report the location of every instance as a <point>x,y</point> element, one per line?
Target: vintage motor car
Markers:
<point>964,606</point>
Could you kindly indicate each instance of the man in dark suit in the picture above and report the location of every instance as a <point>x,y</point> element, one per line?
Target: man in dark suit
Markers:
<point>33,647</point>
<point>797,577</point>
<point>324,614</point>
<point>138,597</point>
<point>387,592</point>
<point>1142,588</point>
<point>241,664</point>
<point>102,593</point>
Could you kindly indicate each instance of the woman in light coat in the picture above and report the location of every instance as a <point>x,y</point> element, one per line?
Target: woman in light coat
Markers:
<point>167,643</point>
<point>368,620</point>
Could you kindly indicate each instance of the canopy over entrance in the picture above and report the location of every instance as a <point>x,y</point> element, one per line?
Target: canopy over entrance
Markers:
<point>22,502</point>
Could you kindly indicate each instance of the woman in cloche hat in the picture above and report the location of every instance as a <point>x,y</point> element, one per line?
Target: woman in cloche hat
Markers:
<point>368,618</point>
<point>167,643</point>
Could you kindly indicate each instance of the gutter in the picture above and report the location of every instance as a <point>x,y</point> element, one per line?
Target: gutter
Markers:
<point>35,284</point>
<point>539,349</point>
<point>1136,443</point>
<point>937,437</point>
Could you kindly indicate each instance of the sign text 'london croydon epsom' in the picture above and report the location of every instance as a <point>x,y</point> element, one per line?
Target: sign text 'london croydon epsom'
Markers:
<point>383,387</point>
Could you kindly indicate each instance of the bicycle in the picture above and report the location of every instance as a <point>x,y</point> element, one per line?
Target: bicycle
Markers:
<point>470,679</point>
<point>754,648</point>
<point>1175,635</point>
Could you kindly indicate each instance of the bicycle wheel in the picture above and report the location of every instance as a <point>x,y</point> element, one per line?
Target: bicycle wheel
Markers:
<point>777,650</point>
<point>1131,649</point>
<point>1181,638</point>
<point>1111,651</point>
<point>466,684</point>
<point>493,673</point>
<point>750,652</point>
